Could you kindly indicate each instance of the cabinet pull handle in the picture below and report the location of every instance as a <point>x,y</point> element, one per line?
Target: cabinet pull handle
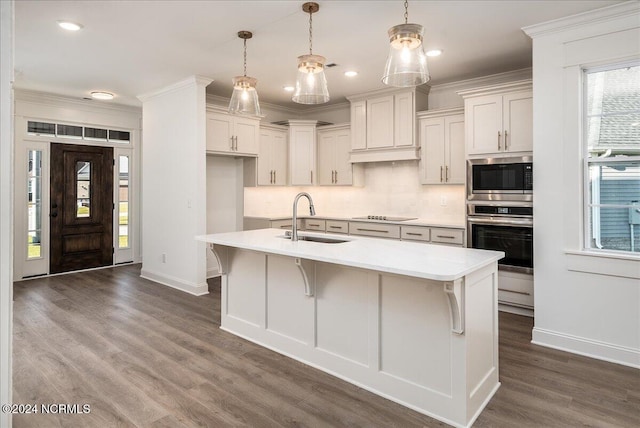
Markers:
<point>314,224</point>
<point>231,144</point>
<point>414,234</point>
<point>285,226</point>
<point>271,176</point>
<point>524,293</point>
<point>446,174</point>
<point>336,177</point>
<point>440,173</point>
<point>335,227</point>
<point>274,176</point>
<point>235,147</point>
<point>505,139</point>
<point>498,140</point>
<point>372,230</point>
<point>311,175</point>
<point>446,236</point>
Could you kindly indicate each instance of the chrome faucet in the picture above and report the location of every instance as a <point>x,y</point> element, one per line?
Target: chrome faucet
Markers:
<point>312,211</point>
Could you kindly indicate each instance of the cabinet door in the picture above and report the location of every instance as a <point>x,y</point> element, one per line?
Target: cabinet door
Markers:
<point>265,162</point>
<point>246,132</point>
<point>343,168</point>
<point>219,133</point>
<point>302,161</point>
<point>518,121</point>
<point>455,164</point>
<point>279,157</point>
<point>404,120</point>
<point>380,117</point>
<point>359,125</point>
<point>326,154</point>
<point>432,134</point>
<point>484,124</point>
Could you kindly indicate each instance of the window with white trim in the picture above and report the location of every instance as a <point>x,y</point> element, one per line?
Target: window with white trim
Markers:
<point>612,158</point>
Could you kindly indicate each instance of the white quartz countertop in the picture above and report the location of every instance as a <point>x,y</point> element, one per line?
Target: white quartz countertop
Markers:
<point>429,261</point>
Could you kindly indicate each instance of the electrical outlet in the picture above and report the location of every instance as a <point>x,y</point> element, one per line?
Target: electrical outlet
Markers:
<point>443,201</point>
<point>164,258</point>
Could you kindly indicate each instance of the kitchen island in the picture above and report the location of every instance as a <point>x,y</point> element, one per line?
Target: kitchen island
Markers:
<point>415,323</point>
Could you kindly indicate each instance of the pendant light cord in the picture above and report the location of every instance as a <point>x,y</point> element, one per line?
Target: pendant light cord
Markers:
<point>245,57</point>
<point>406,11</point>
<point>310,33</point>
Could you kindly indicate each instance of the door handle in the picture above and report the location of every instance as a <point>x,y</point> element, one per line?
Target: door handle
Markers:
<point>54,214</point>
<point>54,205</point>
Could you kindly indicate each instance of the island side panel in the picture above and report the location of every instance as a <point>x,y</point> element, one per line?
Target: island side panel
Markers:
<point>481,319</point>
<point>389,334</point>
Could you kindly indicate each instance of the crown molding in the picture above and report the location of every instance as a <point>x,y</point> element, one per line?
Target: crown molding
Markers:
<point>498,88</point>
<point>491,79</point>
<point>47,98</point>
<point>189,81</point>
<point>424,89</point>
<point>439,112</point>
<point>583,19</point>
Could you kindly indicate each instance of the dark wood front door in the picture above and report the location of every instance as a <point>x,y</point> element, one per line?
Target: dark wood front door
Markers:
<point>81,212</point>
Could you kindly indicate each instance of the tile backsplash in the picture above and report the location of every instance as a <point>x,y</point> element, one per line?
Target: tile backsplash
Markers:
<point>390,188</point>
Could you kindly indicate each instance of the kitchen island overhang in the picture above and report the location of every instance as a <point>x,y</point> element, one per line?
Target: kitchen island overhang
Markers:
<point>412,322</point>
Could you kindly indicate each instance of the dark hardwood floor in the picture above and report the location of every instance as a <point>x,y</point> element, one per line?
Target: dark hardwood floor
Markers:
<point>142,354</point>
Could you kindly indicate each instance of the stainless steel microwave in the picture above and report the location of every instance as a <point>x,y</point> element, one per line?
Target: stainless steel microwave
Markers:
<point>500,179</point>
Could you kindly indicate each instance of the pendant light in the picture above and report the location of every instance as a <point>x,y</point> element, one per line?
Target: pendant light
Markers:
<point>244,99</point>
<point>407,62</point>
<point>311,84</point>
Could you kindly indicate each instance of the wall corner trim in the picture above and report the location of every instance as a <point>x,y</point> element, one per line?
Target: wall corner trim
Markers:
<point>189,81</point>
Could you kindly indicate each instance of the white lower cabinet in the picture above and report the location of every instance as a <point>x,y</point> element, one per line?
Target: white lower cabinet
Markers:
<point>314,224</point>
<point>378,230</point>
<point>434,235</point>
<point>515,289</point>
<point>337,226</point>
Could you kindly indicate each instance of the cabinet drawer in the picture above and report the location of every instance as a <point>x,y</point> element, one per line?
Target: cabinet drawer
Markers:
<point>515,288</point>
<point>415,233</point>
<point>447,236</point>
<point>333,226</point>
<point>283,224</point>
<point>312,224</point>
<point>374,229</point>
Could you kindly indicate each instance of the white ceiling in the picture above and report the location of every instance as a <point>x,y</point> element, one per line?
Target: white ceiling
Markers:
<point>135,47</point>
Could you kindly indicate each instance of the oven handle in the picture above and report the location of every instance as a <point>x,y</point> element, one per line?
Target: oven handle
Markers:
<point>500,221</point>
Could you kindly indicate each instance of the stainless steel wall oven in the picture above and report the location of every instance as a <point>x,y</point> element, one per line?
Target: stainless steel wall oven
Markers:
<point>504,227</point>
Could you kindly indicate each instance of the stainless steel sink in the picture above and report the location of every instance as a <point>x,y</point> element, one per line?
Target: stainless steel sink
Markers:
<point>311,238</point>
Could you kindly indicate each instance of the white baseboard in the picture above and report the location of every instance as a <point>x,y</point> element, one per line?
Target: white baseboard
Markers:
<point>587,347</point>
<point>212,272</point>
<point>187,287</point>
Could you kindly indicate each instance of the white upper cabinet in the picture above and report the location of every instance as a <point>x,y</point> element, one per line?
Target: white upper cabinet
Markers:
<point>499,119</point>
<point>302,152</point>
<point>442,155</point>
<point>231,134</point>
<point>334,168</point>
<point>272,157</point>
<point>383,125</point>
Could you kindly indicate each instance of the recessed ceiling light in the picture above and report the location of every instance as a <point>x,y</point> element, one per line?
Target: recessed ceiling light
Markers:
<point>70,26</point>
<point>350,73</point>
<point>288,88</point>
<point>99,95</point>
<point>434,52</point>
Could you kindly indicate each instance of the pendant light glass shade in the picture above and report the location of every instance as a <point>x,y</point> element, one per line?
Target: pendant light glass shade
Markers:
<point>407,62</point>
<point>244,99</point>
<point>311,84</point>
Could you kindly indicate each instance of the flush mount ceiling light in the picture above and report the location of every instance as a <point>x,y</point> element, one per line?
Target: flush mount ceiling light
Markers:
<point>434,52</point>
<point>244,99</point>
<point>350,73</point>
<point>311,84</point>
<point>101,95</point>
<point>407,62</point>
<point>289,88</point>
<point>69,26</point>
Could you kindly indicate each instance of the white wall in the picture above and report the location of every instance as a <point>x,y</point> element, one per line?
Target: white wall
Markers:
<point>6,204</point>
<point>174,185</point>
<point>583,303</point>
<point>390,188</point>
